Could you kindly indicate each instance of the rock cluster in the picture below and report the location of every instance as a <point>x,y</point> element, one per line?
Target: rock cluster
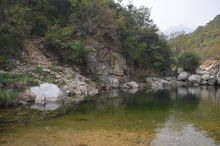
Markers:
<point>199,78</point>
<point>161,83</point>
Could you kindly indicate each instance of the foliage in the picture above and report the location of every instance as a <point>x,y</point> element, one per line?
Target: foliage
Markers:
<point>204,41</point>
<point>189,61</point>
<point>67,24</point>
<point>12,84</point>
<point>8,97</point>
<point>8,79</point>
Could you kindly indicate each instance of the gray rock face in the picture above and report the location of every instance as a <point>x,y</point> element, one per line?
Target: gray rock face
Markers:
<point>44,93</point>
<point>112,81</point>
<point>195,79</point>
<point>102,61</point>
<point>183,76</point>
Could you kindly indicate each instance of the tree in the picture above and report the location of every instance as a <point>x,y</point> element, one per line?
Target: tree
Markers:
<point>189,61</point>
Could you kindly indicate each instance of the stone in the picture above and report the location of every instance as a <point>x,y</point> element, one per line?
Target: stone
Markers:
<point>195,79</point>
<point>44,93</point>
<point>201,72</point>
<point>79,88</point>
<point>183,76</point>
<point>205,77</point>
<point>131,84</point>
<point>212,80</point>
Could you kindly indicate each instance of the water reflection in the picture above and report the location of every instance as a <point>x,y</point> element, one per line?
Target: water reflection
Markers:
<point>181,116</point>
<point>172,135</point>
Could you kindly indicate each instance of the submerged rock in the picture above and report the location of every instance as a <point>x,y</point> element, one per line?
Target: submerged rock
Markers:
<point>46,107</point>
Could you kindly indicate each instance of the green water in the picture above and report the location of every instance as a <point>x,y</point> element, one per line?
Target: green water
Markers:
<point>183,116</point>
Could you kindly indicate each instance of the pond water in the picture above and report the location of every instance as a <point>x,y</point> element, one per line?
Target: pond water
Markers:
<point>171,117</point>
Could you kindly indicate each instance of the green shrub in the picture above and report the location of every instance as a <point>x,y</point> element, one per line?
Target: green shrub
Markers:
<point>8,97</point>
<point>67,49</point>
<point>8,79</point>
<point>189,61</point>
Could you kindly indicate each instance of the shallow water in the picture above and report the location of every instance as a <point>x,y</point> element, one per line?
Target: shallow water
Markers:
<point>183,116</point>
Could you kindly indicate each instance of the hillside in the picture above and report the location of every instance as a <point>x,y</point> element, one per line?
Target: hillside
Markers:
<point>101,37</point>
<point>204,41</point>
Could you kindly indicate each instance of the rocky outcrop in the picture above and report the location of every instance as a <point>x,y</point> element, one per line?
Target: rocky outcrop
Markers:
<point>79,88</point>
<point>43,94</point>
<point>105,63</point>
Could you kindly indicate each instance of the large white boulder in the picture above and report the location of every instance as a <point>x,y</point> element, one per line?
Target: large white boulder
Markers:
<point>195,79</point>
<point>183,76</point>
<point>45,93</point>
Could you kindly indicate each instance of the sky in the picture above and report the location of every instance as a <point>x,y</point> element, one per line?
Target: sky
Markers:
<point>190,13</point>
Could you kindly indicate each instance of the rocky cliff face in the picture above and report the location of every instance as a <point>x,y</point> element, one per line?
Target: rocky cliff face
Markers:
<point>105,63</point>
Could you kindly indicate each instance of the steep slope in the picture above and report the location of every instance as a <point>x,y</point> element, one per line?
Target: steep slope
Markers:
<point>204,41</point>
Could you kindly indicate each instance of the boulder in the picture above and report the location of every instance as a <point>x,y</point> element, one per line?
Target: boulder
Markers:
<point>183,76</point>
<point>131,85</point>
<point>212,80</point>
<point>44,93</point>
<point>195,79</point>
<point>205,77</point>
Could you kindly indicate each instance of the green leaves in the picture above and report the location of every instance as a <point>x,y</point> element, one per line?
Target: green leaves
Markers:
<point>189,61</point>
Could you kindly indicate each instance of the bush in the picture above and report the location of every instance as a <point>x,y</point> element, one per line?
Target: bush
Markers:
<point>189,61</point>
<point>61,42</point>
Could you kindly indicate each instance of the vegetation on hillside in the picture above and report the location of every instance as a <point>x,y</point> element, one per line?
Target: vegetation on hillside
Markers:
<point>66,24</point>
<point>204,41</point>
